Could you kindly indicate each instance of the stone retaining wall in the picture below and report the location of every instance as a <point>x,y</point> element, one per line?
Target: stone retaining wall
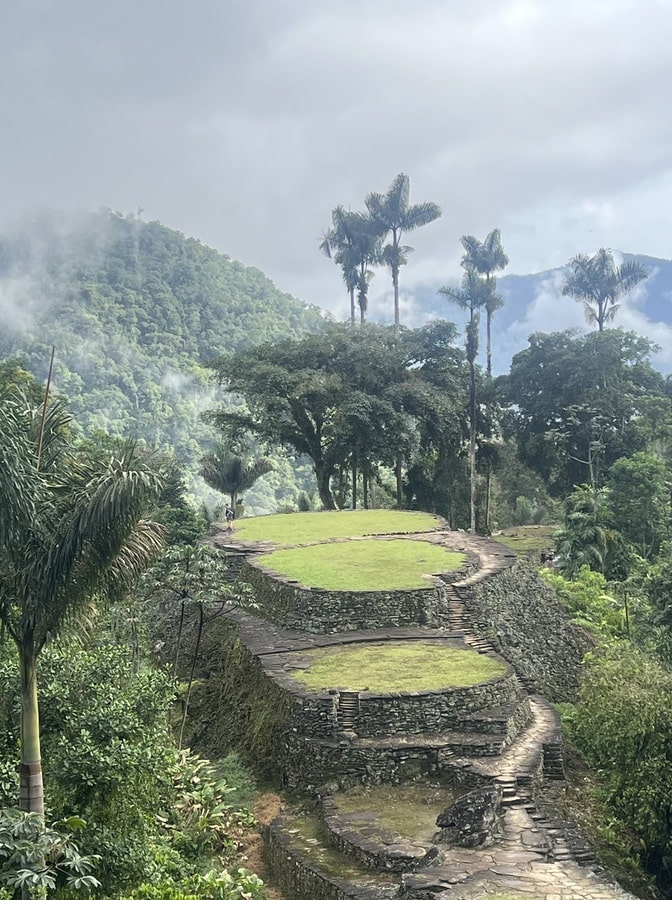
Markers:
<point>321,611</point>
<point>309,764</point>
<point>432,712</point>
<point>523,619</point>
<point>408,712</point>
<point>302,880</point>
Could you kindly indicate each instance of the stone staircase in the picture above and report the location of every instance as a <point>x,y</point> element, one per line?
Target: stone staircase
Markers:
<point>515,746</point>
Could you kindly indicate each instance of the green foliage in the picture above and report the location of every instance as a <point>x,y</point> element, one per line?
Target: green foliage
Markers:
<point>135,311</point>
<point>321,396</point>
<point>597,282</point>
<point>639,501</point>
<point>584,539</point>
<point>580,403</point>
<point>237,885</point>
<point>623,726</point>
<point>37,857</point>
<point>231,474</point>
<point>206,820</point>
<point>588,601</point>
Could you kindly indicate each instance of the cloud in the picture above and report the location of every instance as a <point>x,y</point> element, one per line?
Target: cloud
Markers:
<point>244,123</point>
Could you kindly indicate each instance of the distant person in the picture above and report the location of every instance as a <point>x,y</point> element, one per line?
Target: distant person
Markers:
<point>229,516</point>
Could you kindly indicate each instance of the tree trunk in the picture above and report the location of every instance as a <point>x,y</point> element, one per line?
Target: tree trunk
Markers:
<point>352,306</point>
<point>365,487</point>
<point>395,282</point>
<point>354,481</point>
<point>201,619</point>
<point>398,475</point>
<point>488,321</point>
<point>472,450</point>
<point>323,487</point>
<point>31,789</point>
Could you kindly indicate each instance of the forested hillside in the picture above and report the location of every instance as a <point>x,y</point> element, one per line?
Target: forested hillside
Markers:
<point>134,311</point>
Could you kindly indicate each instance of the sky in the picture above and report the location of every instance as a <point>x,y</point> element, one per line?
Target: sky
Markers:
<point>243,123</point>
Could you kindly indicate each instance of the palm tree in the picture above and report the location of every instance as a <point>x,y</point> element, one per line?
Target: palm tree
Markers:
<point>353,242</point>
<point>584,539</point>
<point>597,282</point>
<point>471,296</point>
<point>338,243</point>
<point>486,257</point>
<point>70,527</point>
<point>230,474</point>
<point>393,215</point>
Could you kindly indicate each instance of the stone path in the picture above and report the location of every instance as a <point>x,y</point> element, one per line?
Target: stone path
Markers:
<point>533,858</point>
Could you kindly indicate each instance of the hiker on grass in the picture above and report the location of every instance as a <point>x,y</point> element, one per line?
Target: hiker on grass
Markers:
<point>229,515</point>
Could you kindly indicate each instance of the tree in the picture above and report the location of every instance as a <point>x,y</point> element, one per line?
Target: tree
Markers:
<point>231,474</point>
<point>597,282</point>
<point>486,257</point>
<point>68,529</point>
<point>584,539</point>
<point>320,395</point>
<point>471,296</point>
<point>578,403</point>
<point>353,243</point>
<point>393,215</point>
<point>339,244</point>
<point>639,501</point>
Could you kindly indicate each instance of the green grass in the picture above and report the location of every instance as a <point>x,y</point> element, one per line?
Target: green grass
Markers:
<point>528,539</point>
<point>302,528</point>
<point>365,564</point>
<point>396,666</point>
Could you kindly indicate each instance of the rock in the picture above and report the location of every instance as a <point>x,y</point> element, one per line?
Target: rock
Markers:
<point>472,821</point>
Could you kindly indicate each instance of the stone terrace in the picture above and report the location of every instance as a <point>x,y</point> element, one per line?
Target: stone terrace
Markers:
<point>502,734</point>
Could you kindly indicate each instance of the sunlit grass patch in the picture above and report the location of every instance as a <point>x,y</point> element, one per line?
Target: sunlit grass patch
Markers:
<point>396,666</point>
<point>300,528</point>
<point>364,565</point>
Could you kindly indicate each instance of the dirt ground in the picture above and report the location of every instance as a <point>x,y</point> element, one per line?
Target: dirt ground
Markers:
<point>265,809</point>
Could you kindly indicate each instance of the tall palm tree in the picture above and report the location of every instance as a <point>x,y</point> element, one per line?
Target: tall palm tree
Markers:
<point>471,296</point>
<point>338,243</point>
<point>230,474</point>
<point>353,242</point>
<point>597,282</point>
<point>486,257</point>
<point>70,527</point>
<point>393,215</point>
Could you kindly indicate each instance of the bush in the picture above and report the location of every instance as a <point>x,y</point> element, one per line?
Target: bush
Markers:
<point>623,727</point>
<point>588,602</point>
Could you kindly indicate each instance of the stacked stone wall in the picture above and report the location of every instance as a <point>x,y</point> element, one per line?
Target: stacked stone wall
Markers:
<point>320,611</point>
<point>524,620</point>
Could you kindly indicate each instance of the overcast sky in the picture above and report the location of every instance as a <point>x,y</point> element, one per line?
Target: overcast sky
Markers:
<point>244,122</point>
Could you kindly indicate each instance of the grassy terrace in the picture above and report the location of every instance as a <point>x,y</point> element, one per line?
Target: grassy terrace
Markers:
<point>364,564</point>
<point>303,528</point>
<point>396,666</point>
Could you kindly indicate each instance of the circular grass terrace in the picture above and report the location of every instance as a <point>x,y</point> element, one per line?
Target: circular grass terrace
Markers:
<point>394,666</point>
<point>365,564</point>
<point>289,529</point>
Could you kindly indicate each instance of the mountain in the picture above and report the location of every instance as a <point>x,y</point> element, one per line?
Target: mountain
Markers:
<point>134,311</point>
<point>535,303</point>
